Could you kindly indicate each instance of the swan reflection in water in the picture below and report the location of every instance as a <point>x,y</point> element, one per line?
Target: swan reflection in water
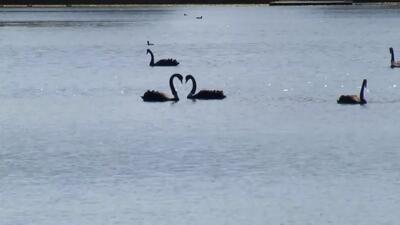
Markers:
<point>203,94</point>
<point>156,96</point>
<point>161,62</point>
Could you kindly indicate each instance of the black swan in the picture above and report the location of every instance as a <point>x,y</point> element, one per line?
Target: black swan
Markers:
<point>155,96</point>
<point>354,99</point>
<point>148,43</point>
<point>161,62</point>
<point>393,63</point>
<point>199,17</point>
<point>203,94</point>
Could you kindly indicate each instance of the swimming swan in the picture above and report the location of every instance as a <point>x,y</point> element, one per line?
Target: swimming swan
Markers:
<point>161,62</point>
<point>148,43</point>
<point>393,63</point>
<point>203,94</point>
<point>155,96</point>
<point>354,99</point>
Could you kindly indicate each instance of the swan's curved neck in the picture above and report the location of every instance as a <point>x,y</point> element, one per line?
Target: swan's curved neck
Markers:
<point>152,58</point>
<point>362,91</point>
<point>194,86</point>
<point>392,55</point>
<point>172,87</point>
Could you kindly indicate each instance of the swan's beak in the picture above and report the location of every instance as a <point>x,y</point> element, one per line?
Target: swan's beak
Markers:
<point>187,78</point>
<point>179,76</point>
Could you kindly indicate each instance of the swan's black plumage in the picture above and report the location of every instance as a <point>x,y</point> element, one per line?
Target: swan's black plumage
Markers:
<point>161,62</point>
<point>354,99</point>
<point>393,63</point>
<point>209,94</point>
<point>156,96</point>
<point>203,94</point>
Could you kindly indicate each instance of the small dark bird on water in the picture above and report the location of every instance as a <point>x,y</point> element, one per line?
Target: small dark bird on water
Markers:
<point>203,94</point>
<point>148,43</point>
<point>354,99</point>
<point>199,17</point>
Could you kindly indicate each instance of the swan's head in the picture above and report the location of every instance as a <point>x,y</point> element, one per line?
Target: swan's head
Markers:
<point>148,50</point>
<point>177,75</point>
<point>364,83</point>
<point>188,77</point>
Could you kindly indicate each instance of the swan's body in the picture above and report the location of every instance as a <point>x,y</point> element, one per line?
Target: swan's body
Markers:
<point>393,63</point>
<point>354,99</point>
<point>148,43</point>
<point>203,94</point>
<point>155,96</point>
<point>161,62</point>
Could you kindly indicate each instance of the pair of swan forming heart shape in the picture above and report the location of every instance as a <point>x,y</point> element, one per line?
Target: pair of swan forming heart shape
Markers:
<point>156,96</point>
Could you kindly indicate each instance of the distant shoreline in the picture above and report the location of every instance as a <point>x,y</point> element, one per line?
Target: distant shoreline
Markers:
<point>134,3</point>
<point>119,3</point>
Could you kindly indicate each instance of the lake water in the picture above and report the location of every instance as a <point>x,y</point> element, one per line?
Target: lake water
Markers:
<point>79,146</point>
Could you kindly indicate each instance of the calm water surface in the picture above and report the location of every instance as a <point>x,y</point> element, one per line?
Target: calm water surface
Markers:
<point>78,145</point>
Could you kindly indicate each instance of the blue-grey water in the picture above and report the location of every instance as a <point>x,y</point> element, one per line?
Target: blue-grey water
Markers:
<point>79,146</point>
